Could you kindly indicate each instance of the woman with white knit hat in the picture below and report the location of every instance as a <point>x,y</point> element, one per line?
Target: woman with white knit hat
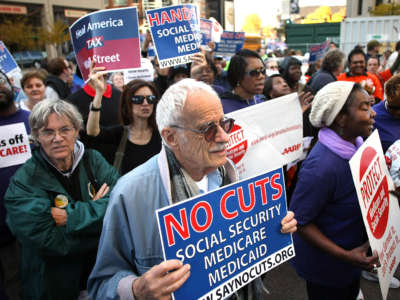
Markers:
<point>329,244</point>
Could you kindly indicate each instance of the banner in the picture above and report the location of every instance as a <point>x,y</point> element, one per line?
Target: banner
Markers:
<point>380,209</point>
<point>111,37</point>
<point>14,145</point>
<point>317,52</point>
<point>266,135</point>
<point>7,62</point>
<point>229,236</point>
<point>176,33</point>
<point>231,42</point>
<point>145,72</point>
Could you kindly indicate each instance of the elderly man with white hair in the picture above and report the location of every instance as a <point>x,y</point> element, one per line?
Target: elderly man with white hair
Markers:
<point>193,160</point>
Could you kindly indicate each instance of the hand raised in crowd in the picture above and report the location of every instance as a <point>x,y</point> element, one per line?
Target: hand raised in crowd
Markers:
<point>104,189</point>
<point>97,80</point>
<point>59,215</point>
<point>289,223</point>
<point>305,99</point>
<point>198,64</point>
<point>161,280</point>
<point>358,257</point>
<point>198,59</point>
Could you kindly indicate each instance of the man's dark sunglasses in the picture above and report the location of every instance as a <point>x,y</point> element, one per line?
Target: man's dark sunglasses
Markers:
<point>151,99</point>
<point>256,72</point>
<point>210,131</point>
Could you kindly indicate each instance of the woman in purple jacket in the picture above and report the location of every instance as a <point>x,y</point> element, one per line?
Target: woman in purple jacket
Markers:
<point>330,252</point>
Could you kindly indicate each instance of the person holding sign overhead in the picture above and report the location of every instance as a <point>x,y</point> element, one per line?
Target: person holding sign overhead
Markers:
<point>329,244</point>
<point>193,160</point>
<point>55,205</point>
<point>138,138</point>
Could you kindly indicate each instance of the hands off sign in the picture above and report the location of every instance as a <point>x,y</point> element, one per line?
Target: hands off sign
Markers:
<point>14,145</point>
<point>176,33</point>
<point>379,208</point>
<point>229,236</point>
<point>231,42</point>
<point>111,37</point>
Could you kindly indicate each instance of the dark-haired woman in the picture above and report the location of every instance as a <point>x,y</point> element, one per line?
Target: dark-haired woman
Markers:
<point>246,74</point>
<point>137,138</point>
<point>330,253</point>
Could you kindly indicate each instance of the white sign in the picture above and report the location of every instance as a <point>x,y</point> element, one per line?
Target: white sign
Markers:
<point>380,209</point>
<point>145,72</point>
<point>266,136</point>
<point>14,145</point>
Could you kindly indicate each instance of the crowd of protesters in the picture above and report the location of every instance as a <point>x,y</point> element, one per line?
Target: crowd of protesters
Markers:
<point>107,153</point>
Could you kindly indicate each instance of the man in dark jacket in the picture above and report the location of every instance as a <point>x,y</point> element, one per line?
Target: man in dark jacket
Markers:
<point>9,115</point>
<point>57,81</point>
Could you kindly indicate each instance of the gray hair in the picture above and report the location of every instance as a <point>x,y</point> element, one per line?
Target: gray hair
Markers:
<point>333,60</point>
<point>170,107</point>
<point>39,116</point>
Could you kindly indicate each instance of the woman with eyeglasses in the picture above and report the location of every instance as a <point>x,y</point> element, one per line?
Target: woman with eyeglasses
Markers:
<point>137,137</point>
<point>55,205</point>
<point>246,74</point>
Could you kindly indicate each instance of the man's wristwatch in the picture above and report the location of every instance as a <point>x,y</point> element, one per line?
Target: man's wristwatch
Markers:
<point>92,108</point>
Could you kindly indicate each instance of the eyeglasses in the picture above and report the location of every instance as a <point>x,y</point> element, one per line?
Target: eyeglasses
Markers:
<point>392,107</point>
<point>151,99</point>
<point>210,130</point>
<point>50,134</point>
<point>256,72</point>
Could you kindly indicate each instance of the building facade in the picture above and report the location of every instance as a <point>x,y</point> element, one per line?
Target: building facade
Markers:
<point>362,8</point>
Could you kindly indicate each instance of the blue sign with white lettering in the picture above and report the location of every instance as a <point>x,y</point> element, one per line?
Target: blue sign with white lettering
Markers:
<point>229,236</point>
<point>176,33</point>
<point>7,62</point>
<point>231,42</point>
<point>206,31</point>
<point>110,37</point>
<point>318,51</point>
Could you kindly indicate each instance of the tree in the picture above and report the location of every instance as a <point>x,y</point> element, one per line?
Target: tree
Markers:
<point>18,34</point>
<point>324,14</point>
<point>386,9</point>
<point>252,24</point>
<point>55,35</point>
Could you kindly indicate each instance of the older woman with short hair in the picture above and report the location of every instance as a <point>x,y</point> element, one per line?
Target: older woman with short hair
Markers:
<point>34,88</point>
<point>56,203</point>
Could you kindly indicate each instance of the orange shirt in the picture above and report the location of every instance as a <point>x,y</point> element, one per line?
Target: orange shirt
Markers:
<point>378,93</point>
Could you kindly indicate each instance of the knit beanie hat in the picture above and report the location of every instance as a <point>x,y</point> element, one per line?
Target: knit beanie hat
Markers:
<point>328,102</point>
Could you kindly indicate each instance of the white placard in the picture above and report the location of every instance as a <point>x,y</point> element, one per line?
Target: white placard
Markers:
<point>266,136</point>
<point>145,72</point>
<point>14,145</point>
<point>380,209</point>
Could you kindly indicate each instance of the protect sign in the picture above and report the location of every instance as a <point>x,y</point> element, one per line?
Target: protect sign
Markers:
<point>7,62</point>
<point>14,145</point>
<point>266,136</point>
<point>379,208</point>
<point>229,236</point>
<point>110,37</point>
<point>176,33</point>
<point>231,42</point>
<point>318,51</point>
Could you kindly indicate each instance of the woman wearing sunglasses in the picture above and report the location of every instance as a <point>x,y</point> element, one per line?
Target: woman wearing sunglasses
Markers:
<point>137,138</point>
<point>246,74</point>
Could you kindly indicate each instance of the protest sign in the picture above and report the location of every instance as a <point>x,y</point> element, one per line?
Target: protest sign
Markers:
<point>231,42</point>
<point>380,209</point>
<point>176,33</point>
<point>266,135</point>
<point>145,72</point>
<point>318,51</point>
<point>110,37</point>
<point>206,31</point>
<point>229,236</point>
<point>14,145</point>
<point>7,62</point>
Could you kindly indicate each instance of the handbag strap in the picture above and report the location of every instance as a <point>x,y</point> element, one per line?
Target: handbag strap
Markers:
<point>119,155</point>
